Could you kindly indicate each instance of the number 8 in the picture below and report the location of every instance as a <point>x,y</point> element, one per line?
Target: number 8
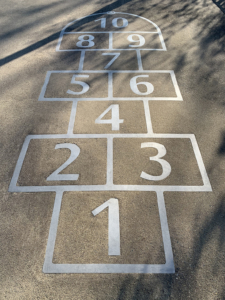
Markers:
<point>82,40</point>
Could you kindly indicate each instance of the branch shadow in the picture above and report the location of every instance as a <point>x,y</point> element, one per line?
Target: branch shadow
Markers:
<point>55,36</point>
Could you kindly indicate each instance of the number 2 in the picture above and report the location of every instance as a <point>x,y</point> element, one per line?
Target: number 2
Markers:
<point>75,151</point>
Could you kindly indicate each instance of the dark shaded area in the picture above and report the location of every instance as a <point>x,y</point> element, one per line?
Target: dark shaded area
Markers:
<point>221,150</point>
<point>55,36</point>
<point>27,50</point>
<point>220,4</point>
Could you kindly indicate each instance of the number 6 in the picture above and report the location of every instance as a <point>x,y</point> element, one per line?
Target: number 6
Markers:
<point>134,86</point>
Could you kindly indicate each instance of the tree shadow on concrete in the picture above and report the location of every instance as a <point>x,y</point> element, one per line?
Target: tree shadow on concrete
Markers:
<point>220,4</point>
<point>55,36</point>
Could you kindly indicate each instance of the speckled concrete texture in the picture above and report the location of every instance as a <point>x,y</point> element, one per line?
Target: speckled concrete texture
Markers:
<point>193,31</point>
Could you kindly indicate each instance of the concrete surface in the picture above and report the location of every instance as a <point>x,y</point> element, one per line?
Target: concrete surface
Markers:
<point>193,32</point>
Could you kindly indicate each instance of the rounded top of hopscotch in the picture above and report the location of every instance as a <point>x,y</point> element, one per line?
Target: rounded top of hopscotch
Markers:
<point>113,23</point>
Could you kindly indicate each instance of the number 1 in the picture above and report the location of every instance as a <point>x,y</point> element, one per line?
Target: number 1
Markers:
<point>103,22</point>
<point>113,225</point>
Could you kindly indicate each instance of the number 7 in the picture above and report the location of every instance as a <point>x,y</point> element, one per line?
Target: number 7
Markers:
<point>116,55</point>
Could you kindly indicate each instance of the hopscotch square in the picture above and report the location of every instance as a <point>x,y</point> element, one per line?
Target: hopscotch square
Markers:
<point>122,40</point>
<point>44,155</point>
<point>138,183</point>
<point>111,60</point>
<point>131,85</point>
<point>70,41</point>
<point>84,248</point>
<point>132,157</point>
<point>92,23</point>
<point>131,115</point>
<point>58,87</point>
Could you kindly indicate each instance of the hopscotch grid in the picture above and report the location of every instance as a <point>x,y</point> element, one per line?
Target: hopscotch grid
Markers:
<point>49,267</point>
<point>168,267</point>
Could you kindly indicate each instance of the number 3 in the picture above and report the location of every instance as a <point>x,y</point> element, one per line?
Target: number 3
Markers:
<point>165,165</point>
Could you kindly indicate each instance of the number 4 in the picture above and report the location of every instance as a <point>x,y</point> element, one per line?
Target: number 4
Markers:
<point>115,119</point>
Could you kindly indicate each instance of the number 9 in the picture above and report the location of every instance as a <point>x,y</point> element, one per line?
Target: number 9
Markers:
<point>141,40</point>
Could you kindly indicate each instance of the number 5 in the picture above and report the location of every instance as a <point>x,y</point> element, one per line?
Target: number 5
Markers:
<point>165,165</point>
<point>83,84</point>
